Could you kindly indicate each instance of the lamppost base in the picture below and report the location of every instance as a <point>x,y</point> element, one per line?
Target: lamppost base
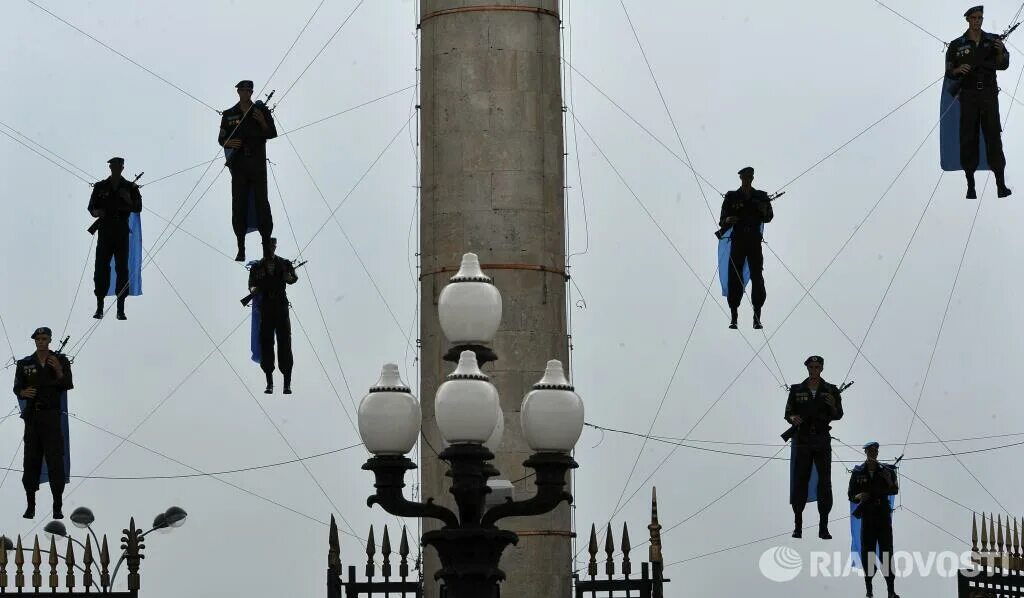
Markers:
<point>469,559</point>
<point>483,353</point>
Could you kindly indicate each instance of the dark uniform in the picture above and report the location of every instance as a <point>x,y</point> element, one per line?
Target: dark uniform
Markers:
<point>112,201</point>
<point>813,444</point>
<point>269,276</point>
<point>248,167</point>
<point>876,517</point>
<point>44,438</point>
<point>750,212</point>
<point>979,102</point>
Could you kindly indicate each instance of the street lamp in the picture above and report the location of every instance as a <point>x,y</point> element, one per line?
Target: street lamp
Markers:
<point>83,517</point>
<point>467,412</point>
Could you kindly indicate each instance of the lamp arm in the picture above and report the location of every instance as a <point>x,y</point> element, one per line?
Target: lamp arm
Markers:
<point>551,471</point>
<point>94,537</point>
<point>389,472</point>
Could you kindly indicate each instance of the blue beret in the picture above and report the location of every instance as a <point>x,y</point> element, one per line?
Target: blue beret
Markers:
<point>746,170</point>
<point>814,359</point>
<point>115,159</point>
<point>979,8</point>
<point>870,444</point>
<point>244,84</point>
<point>42,330</point>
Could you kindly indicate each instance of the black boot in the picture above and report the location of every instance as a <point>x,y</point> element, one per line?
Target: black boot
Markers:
<point>1001,189</point>
<point>58,513</point>
<point>735,315</point>
<point>30,509</point>
<point>270,384</point>
<point>867,583</point>
<point>288,383</point>
<point>99,309</point>
<point>757,318</point>
<point>120,307</point>
<point>823,529</point>
<point>971,193</point>
<point>798,525</point>
<point>241,250</point>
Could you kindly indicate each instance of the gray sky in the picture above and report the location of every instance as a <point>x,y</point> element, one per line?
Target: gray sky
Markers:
<point>774,85</point>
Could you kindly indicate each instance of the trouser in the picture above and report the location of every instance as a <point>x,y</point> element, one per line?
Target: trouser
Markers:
<point>112,243</point>
<point>815,450</point>
<point>979,110</point>
<point>249,175</point>
<point>877,531</point>
<point>746,248</point>
<point>44,440</point>
<point>274,322</point>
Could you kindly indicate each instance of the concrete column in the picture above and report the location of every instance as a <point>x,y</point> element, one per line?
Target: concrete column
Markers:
<point>492,183</point>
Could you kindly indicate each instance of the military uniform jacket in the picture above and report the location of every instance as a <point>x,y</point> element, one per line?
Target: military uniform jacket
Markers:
<point>880,484</point>
<point>114,203</point>
<point>816,411</point>
<point>30,374</point>
<point>252,135</point>
<point>983,58</point>
<point>750,212</point>
<point>271,285</point>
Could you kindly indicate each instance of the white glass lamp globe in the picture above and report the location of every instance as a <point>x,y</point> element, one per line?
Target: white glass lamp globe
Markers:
<point>552,413</point>
<point>466,404</point>
<point>389,416</point>
<point>469,306</point>
<point>494,441</point>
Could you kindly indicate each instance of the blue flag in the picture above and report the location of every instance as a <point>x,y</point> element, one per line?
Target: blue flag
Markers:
<point>44,476</point>
<point>724,249</point>
<point>949,133</point>
<point>134,259</point>
<point>254,334</point>
<point>855,536</point>
<point>812,483</point>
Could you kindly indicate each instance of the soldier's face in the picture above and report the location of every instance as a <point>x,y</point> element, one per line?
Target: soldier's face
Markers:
<point>116,169</point>
<point>974,20</point>
<point>244,94</point>
<point>872,453</point>
<point>814,370</point>
<point>746,179</point>
<point>42,342</point>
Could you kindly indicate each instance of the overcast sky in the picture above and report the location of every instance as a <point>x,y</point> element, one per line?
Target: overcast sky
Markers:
<point>774,85</point>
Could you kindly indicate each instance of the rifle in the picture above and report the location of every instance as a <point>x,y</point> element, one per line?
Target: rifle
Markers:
<point>95,226</point>
<point>954,88</point>
<point>245,300</point>
<point>788,434</point>
<point>720,232</point>
<point>229,151</point>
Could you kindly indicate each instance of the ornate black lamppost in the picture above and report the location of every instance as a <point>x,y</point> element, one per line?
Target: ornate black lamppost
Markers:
<point>468,417</point>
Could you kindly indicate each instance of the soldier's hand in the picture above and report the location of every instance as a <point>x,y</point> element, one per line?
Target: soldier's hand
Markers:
<point>55,363</point>
<point>963,69</point>
<point>258,115</point>
<point>28,393</point>
<point>233,143</point>
<point>796,420</point>
<point>998,43</point>
<point>731,220</point>
<point>862,496</point>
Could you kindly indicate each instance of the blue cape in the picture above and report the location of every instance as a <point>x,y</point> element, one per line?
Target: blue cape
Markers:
<point>134,259</point>
<point>812,483</point>
<point>724,248</point>
<point>44,476</point>
<point>254,334</point>
<point>949,133</point>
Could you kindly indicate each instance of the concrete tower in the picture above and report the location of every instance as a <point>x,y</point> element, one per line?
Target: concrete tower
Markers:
<point>492,183</point>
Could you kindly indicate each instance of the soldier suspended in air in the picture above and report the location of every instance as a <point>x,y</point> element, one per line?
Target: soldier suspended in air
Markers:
<point>244,131</point>
<point>268,279</point>
<point>871,485</point>
<point>812,406</point>
<point>972,61</point>
<point>40,380</point>
<point>112,203</point>
<point>745,211</point>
